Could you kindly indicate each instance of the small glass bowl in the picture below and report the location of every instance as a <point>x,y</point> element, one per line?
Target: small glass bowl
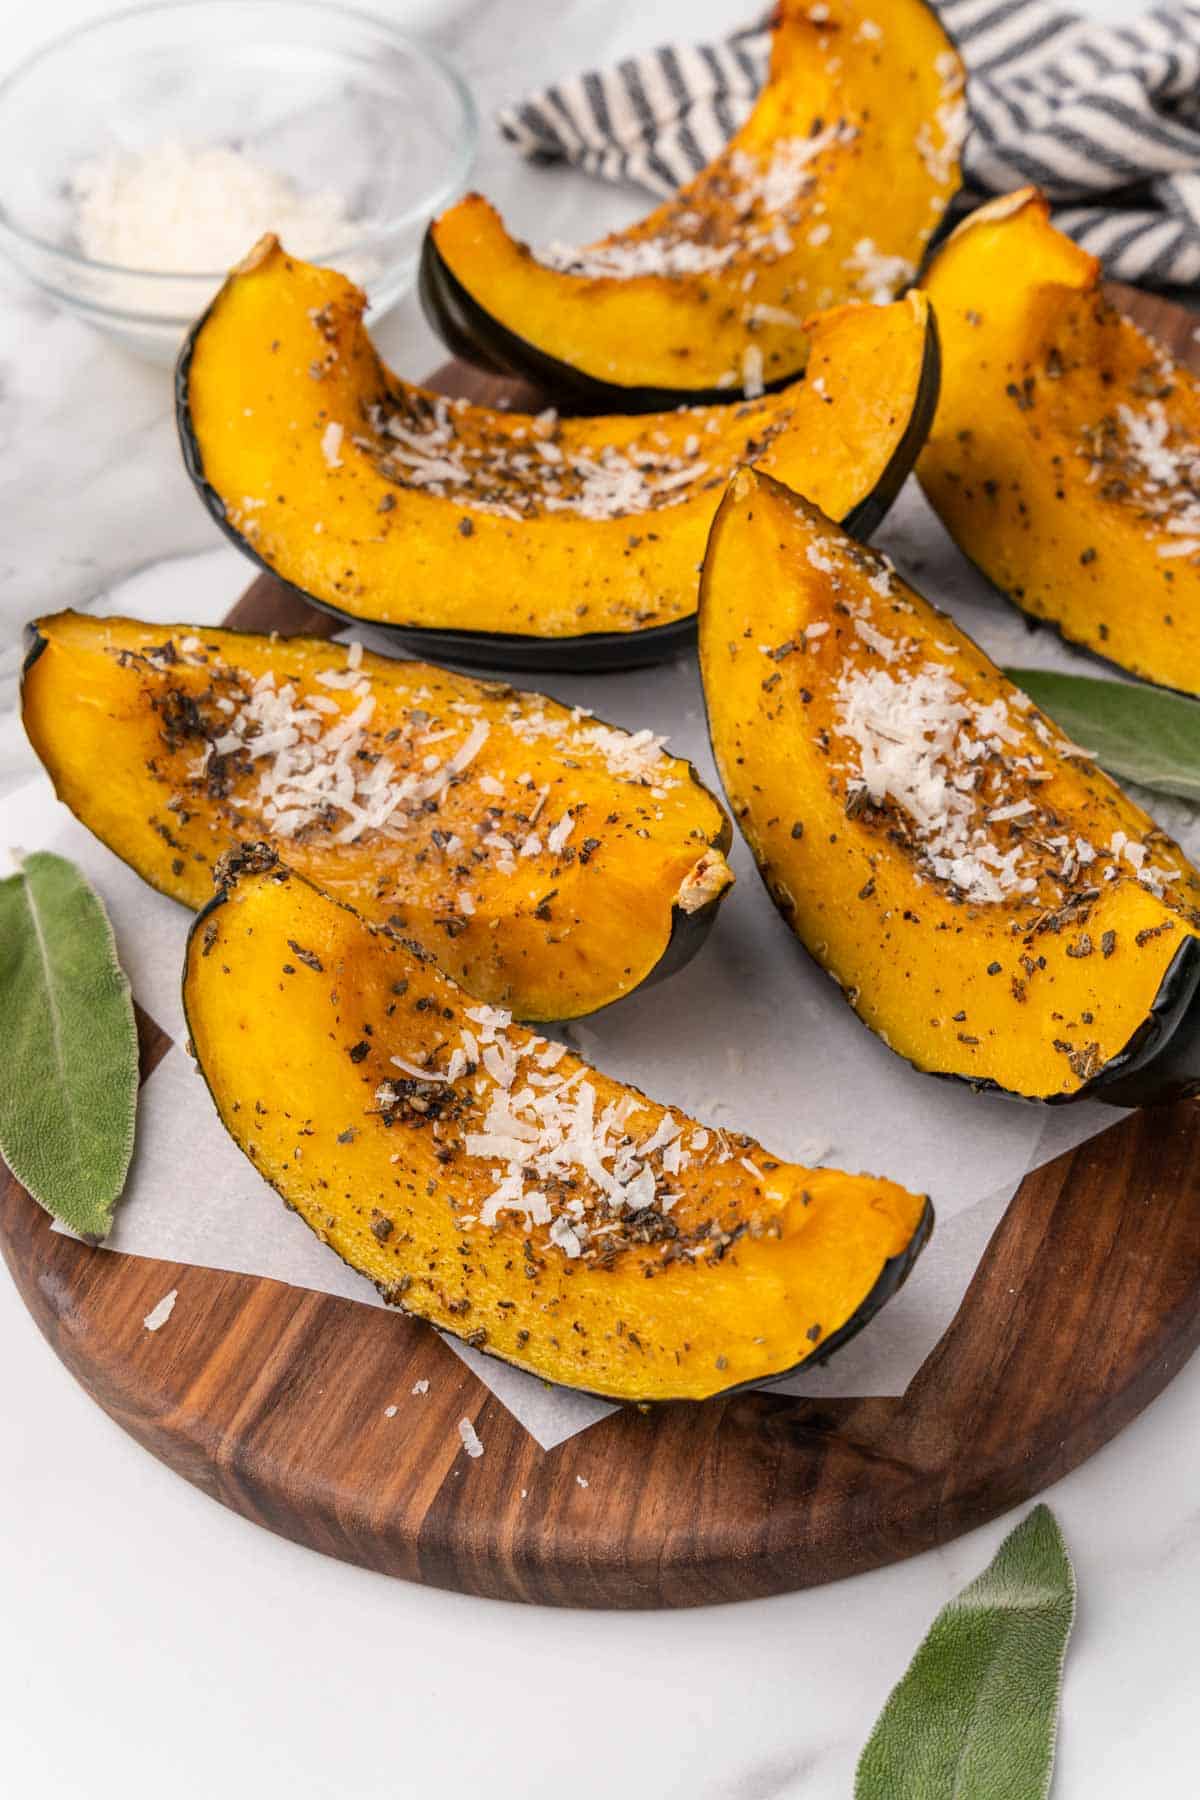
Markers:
<point>332,100</point>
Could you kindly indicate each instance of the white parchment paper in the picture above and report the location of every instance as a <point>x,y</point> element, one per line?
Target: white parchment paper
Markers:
<point>750,1035</point>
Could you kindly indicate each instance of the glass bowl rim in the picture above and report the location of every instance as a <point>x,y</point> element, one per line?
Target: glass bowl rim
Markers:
<point>332,9</point>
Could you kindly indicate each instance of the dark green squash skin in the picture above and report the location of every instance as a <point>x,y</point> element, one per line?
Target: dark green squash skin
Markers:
<point>688,929</point>
<point>1161,1061</point>
<point>863,520</point>
<point>890,1280</point>
<point>597,652</point>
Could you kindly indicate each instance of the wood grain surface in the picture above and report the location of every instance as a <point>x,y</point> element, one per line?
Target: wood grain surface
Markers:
<point>272,1398</point>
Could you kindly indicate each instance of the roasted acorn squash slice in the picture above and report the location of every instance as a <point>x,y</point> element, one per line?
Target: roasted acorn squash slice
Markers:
<point>501,538</point>
<point>550,862</point>
<point>487,1180</point>
<point>990,902</point>
<point>829,192</point>
<point>1065,457</point>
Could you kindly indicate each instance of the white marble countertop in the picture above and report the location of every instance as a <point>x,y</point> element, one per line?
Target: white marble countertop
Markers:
<point>152,1640</point>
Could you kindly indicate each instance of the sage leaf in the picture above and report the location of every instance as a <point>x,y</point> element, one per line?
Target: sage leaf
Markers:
<point>1139,733</point>
<point>975,1717</point>
<point>68,1045</point>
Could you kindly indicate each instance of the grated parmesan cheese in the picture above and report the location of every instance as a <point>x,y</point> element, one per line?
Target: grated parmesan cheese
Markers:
<point>543,1134</point>
<point>949,763</point>
<point>878,276</point>
<point>914,736</point>
<point>331,443</point>
<point>313,764</point>
<point>940,152</point>
<point>788,174</point>
<point>1157,470</point>
<point>507,475</point>
<point>158,1315</point>
<point>761,196</point>
<point>752,372</point>
<point>470,1438</point>
<point>773,315</point>
<point>622,261</point>
<point>175,208</point>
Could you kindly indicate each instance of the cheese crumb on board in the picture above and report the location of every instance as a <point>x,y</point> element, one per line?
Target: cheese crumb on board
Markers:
<point>470,1438</point>
<point>158,1315</point>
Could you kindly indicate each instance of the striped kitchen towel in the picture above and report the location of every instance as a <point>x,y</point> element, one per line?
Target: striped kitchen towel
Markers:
<point>1104,118</point>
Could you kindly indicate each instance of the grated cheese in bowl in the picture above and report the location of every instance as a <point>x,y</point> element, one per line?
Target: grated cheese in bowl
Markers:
<point>148,153</point>
<point>181,209</point>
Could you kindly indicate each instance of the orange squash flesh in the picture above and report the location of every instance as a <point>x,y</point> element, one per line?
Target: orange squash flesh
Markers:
<point>553,919</point>
<point>729,1268</point>
<point>1065,455</point>
<point>510,537</point>
<point>829,192</point>
<point>817,661</point>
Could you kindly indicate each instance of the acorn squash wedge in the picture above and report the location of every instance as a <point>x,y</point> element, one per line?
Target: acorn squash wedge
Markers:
<point>1065,456</point>
<point>487,1180</point>
<point>991,904</point>
<point>829,192</point>
<point>512,540</point>
<point>550,862</point>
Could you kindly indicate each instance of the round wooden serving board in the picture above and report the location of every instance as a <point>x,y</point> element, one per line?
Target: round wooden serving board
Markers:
<point>272,1399</point>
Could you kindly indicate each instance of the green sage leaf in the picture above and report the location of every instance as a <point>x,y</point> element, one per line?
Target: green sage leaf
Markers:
<point>975,1717</point>
<point>68,1045</point>
<point>1140,733</point>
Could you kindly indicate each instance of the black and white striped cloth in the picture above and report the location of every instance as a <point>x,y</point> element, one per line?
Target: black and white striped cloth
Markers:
<point>1104,118</point>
